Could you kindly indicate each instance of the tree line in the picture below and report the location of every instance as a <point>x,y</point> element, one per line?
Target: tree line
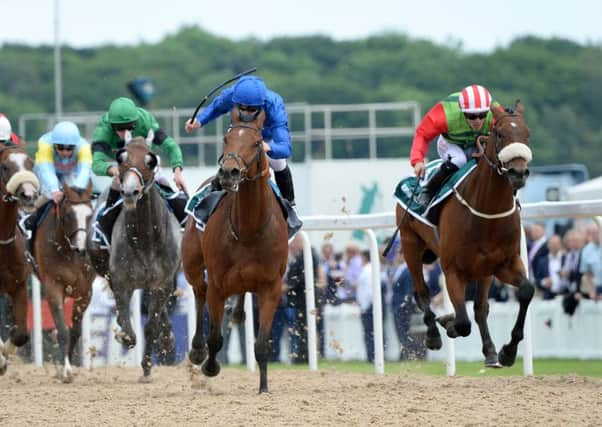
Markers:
<point>559,81</point>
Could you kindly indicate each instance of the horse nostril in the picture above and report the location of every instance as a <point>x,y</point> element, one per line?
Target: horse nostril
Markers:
<point>136,192</point>
<point>235,173</point>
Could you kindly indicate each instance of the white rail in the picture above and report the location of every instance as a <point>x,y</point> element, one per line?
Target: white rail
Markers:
<point>583,209</point>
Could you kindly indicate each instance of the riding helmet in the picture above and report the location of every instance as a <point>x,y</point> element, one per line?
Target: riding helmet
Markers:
<point>250,91</point>
<point>474,99</point>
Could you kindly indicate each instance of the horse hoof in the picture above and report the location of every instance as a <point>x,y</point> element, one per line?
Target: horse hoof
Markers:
<point>507,356</point>
<point>210,369</point>
<point>263,390</point>
<point>492,362</point>
<point>434,343</point>
<point>452,333</point>
<point>197,355</point>
<point>127,342</point>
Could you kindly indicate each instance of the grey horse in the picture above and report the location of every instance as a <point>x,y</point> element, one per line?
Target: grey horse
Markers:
<point>144,251</point>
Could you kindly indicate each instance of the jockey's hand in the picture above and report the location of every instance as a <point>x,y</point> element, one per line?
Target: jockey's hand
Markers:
<point>179,180</point>
<point>419,169</point>
<point>266,147</point>
<point>57,196</point>
<point>189,126</point>
<point>114,172</point>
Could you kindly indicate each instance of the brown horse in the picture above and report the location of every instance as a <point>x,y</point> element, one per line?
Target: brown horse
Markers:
<point>478,238</point>
<point>63,269</point>
<point>244,246</point>
<point>18,189</point>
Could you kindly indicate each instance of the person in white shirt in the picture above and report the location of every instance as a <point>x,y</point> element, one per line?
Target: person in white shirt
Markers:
<point>363,297</point>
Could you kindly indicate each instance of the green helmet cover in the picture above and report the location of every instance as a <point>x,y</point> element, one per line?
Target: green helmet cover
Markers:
<point>122,110</point>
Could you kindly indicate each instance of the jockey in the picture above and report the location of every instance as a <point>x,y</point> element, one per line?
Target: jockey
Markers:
<point>62,156</point>
<point>7,136</point>
<point>457,121</point>
<point>118,126</point>
<point>251,96</point>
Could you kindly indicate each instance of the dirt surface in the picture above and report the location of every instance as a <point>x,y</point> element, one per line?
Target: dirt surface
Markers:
<point>178,396</point>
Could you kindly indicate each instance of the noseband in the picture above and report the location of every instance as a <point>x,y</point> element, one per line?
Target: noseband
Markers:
<point>242,164</point>
<point>145,185</point>
<point>502,155</point>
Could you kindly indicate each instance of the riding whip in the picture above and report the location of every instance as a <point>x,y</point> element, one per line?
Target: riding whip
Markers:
<point>394,236</point>
<point>236,77</point>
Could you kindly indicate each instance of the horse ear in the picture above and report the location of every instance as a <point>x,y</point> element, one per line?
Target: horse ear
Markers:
<point>122,156</point>
<point>497,110</point>
<point>519,107</point>
<point>150,160</point>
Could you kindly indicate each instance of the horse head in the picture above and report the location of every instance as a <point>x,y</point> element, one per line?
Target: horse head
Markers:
<point>137,164</point>
<point>243,158</point>
<point>18,183</point>
<point>75,212</point>
<point>509,145</point>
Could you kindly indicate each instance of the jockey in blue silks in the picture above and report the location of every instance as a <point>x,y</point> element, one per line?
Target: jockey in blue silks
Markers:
<point>62,156</point>
<point>251,96</point>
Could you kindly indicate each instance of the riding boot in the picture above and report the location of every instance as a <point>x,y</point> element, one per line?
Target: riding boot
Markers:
<point>284,180</point>
<point>431,188</point>
<point>110,214</point>
<point>178,206</point>
<point>29,225</point>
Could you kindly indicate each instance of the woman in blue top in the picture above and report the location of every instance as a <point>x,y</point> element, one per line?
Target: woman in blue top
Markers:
<point>251,96</point>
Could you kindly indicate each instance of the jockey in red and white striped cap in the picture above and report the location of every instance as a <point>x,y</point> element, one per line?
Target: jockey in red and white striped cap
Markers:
<point>474,99</point>
<point>455,122</point>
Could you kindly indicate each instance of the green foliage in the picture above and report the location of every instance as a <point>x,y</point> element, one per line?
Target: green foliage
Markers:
<point>559,81</point>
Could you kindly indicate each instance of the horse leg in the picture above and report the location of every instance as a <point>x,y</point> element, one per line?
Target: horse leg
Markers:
<point>18,334</point>
<point>158,299</point>
<point>198,350</point>
<point>54,295</point>
<point>215,304</point>
<point>268,301</point>
<point>507,355</point>
<point>413,249</point>
<point>126,336</point>
<point>481,311</point>
<point>456,290</point>
<point>167,340</point>
<point>237,314</point>
<point>79,308</point>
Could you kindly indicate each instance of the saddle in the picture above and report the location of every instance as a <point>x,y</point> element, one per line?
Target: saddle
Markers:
<point>204,203</point>
<point>408,190</point>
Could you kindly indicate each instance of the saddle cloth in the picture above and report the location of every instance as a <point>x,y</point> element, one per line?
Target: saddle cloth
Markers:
<point>429,214</point>
<point>203,203</point>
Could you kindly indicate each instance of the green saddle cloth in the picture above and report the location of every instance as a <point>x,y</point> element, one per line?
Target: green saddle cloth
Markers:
<point>406,187</point>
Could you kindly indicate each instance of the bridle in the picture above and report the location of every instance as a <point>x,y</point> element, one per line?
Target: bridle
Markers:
<point>241,163</point>
<point>68,237</point>
<point>497,164</point>
<point>146,185</point>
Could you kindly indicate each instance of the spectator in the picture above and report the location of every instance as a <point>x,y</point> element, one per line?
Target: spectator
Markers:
<point>546,270</point>
<point>403,307</point>
<point>591,264</point>
<point>536,245</point>
<point>364,297</point>
<point>353,269</point>
<point>333,267</point>
<point>295,279</point>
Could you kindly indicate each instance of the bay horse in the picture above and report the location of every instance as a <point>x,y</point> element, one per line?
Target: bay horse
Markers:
<point>144,251</point>
<point>59,248</point>
<point>19,189</point>
<point>479,237</point>
<point>244,246</point>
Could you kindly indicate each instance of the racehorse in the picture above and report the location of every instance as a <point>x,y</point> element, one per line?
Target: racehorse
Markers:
<point>243,247</point>
<point>144,251</point>
<point>19,188</point>
<point>60,252</point>
<point>478,238</point>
